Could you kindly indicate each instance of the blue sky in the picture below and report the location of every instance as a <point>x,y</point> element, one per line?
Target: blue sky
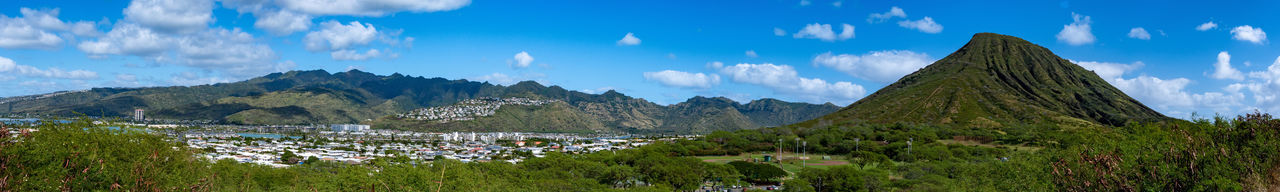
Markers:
<point>1177,57</point>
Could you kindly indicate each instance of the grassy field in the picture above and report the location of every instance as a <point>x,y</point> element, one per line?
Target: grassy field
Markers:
<point>790,163</point>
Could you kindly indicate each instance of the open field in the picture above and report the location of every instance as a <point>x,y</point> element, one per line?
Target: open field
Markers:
<point>975,143</point>
<point>790,163</point>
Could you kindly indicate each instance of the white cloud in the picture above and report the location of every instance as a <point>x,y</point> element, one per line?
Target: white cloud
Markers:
<point>1206,26</point>
<point>282,22</point>
<point>171,16</point>
<point>352,55</point>
<point>9,66</point>
<point>629,39</point>
<point>232,52</point>
<point>1265,87</point>
<point>1249,33</point>
<point>882,17</point>
<point>17,34</point>
<point>671,56</point>
<point>878,66</point>
<point>1166,95</point>
<point>824,32</point>
<point>837,4</point>
<point>39,29</point>
<point>1078,32</point>
<point>129,39</point>
<point>337,36</point>
<point>1223,69</point>
<point>926,25</point>
<point>785,80</point>
<point>804,2</point>
<point>752,54</point>
<point>85,28</point>
<point>44,19</point>
<point>370,8</point>
<point>1107,70</point>
<point>779,32</point>
<point>1139,33</point>
<point>522,60</point>
<point>682,79</point>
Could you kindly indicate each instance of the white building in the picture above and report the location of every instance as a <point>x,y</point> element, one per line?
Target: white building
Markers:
<point>348,127</point>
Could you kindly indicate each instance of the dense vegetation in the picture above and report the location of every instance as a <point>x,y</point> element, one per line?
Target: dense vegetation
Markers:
<point>1203,155</point>
<point>318,97</point>
<point>994,80</point>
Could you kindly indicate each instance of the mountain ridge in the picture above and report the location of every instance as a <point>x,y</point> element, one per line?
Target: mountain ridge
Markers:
<point>317,96</point>
<point>994,80</point>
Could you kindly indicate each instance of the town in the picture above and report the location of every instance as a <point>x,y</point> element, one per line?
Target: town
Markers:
<point>356,144</point>
<point>469,109</point>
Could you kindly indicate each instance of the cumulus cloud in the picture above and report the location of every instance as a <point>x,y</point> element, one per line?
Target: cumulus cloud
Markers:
<point>8,66</point>
<point>682,79</point>
<point>171,16</point>
<point>233,52</point>
<point>878,66</point>
<point>752,54</point>
<point>129,39</point>
<point>1223,69</point>
<point>1265,87</point>
<point>522,60</point>
<point>282,22</point>
<point>1206,26</point>
<point>784,79</point>
<point>926,25</point>
<point>1078,32</point>
<point>779,32</point>
<point>352,55</point>
<point>1139,33</point>
<point>370,8</point>
<point>1169,96</point>
<point>38,29</point>
<point>824,32</point>
<point>882,17</point>
<point>629,39</point>
<point>1107,70</point>
<point>334,35</point>
<point>1249,33</point>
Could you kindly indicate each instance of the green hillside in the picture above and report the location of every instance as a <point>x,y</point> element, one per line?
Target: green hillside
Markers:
<point>994,80</point>
<point>319,97</point>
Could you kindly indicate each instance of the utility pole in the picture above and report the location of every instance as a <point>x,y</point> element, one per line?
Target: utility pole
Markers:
<point>804,160</point>
<point>909,146</point>
<point>856,143</point>
<point>797,146</point>
<point>779,155</point>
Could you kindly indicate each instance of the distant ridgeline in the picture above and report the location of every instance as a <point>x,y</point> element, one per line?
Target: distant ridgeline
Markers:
<point>319,97</point>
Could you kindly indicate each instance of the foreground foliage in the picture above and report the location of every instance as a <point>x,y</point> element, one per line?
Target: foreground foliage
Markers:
<point>1221,154</point>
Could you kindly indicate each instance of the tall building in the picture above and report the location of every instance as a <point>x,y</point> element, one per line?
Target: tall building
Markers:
<point>139,114</point>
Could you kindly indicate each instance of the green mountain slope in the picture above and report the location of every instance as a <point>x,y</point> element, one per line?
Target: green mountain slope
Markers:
<point>997,79</point>
<point>318,97</point>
